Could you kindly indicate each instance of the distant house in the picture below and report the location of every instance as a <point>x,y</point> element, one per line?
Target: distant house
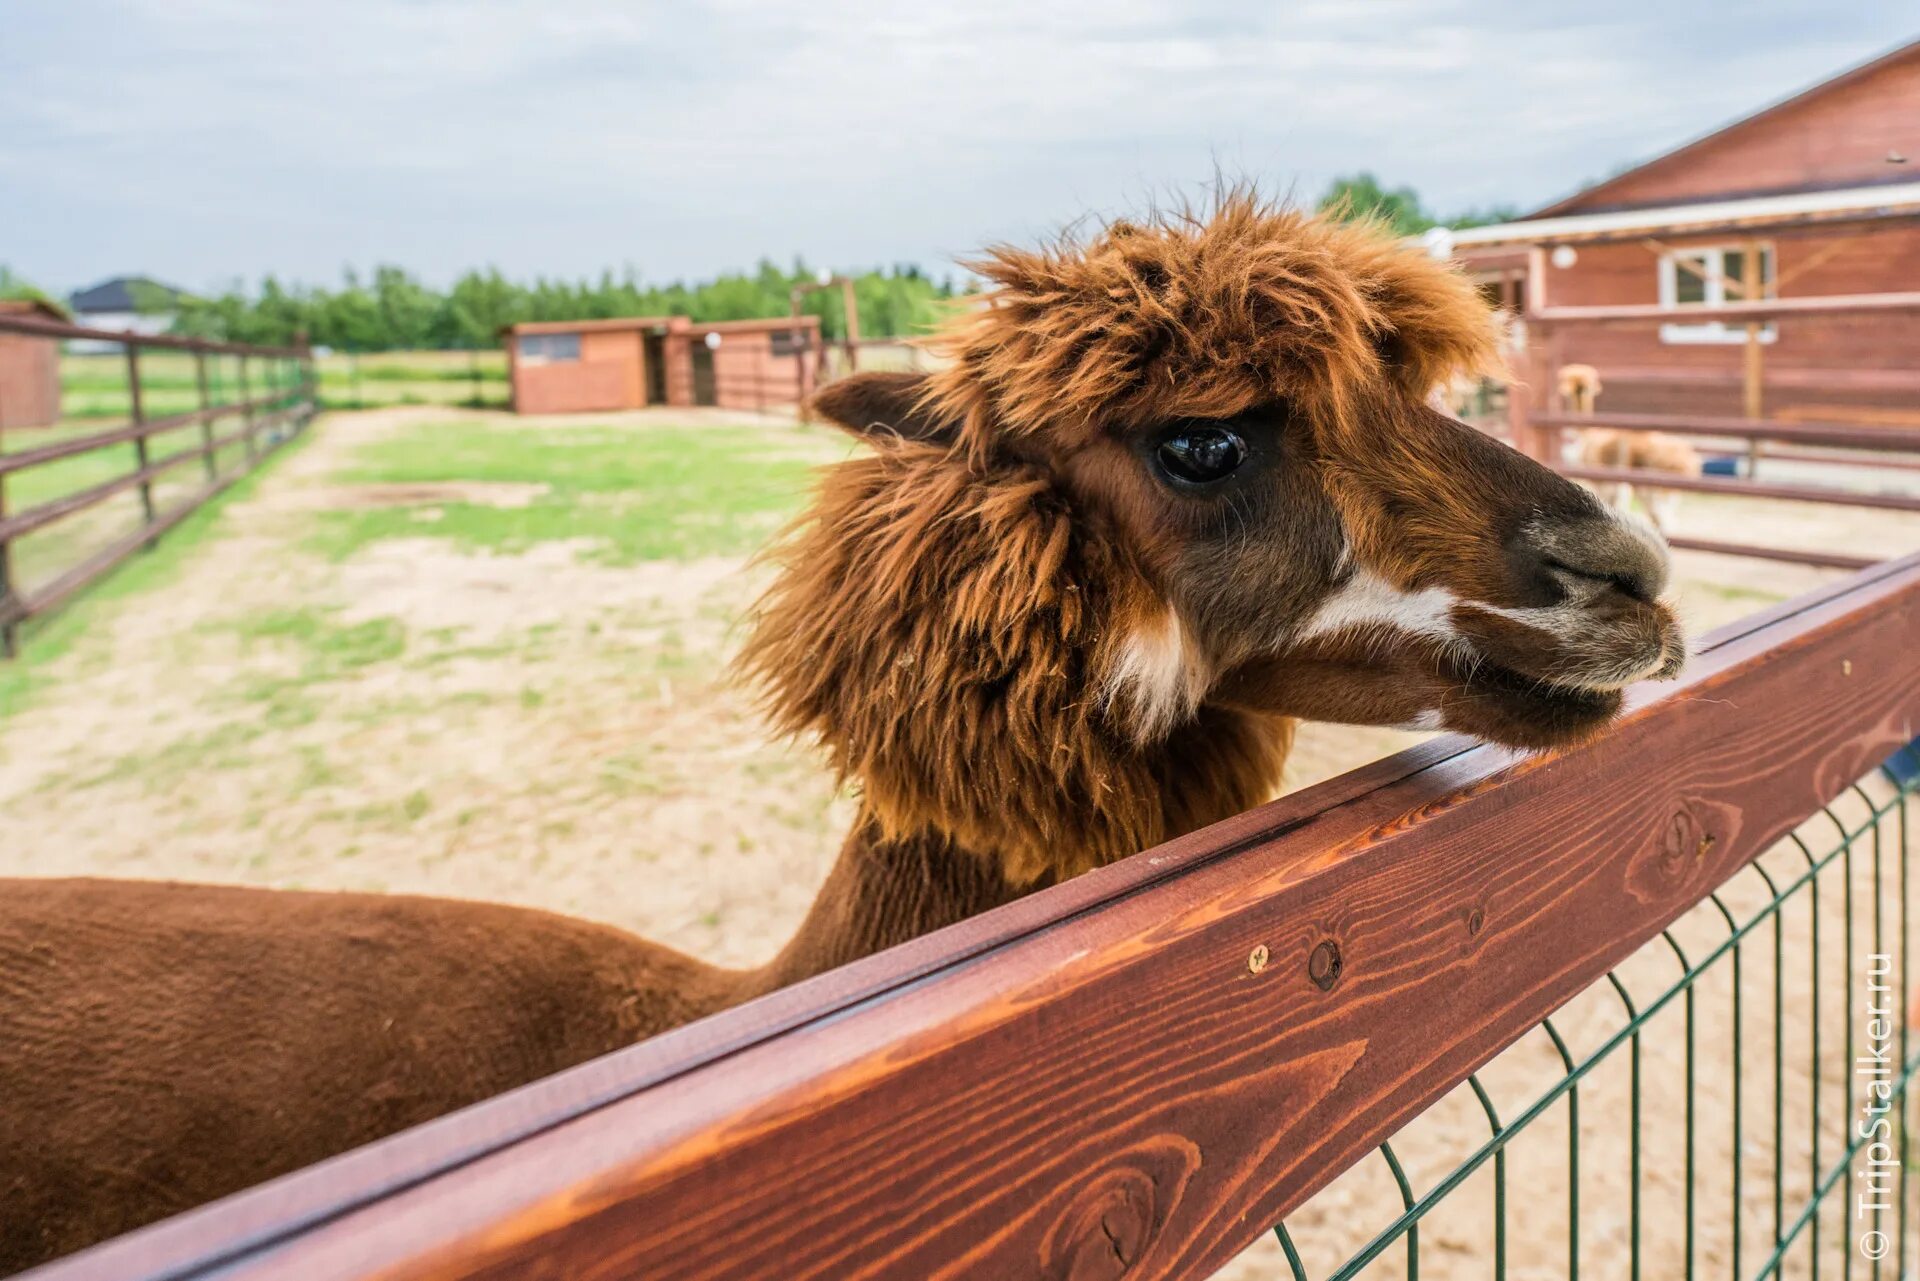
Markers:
<point>1816,196</point>
<point>29,369</point>
<point>139,304</point>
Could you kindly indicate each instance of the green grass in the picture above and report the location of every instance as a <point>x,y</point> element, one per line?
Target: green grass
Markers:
<point>628,496</point>
<point>413,378</point>
<point>660,494</point>
<point>93,387</point>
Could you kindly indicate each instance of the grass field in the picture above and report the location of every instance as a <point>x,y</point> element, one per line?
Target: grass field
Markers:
<point>94,385</point>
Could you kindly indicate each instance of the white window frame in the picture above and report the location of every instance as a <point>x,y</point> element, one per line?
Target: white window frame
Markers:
<point>1714,260</point>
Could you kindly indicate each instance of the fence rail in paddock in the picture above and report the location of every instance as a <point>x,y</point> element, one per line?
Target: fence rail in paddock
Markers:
<point>269,390</point>
<point>1538,418</point>
<point>1144,1070</point>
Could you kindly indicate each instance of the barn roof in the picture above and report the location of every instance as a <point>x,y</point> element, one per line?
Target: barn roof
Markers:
<point>121,294</point>
<point>1850,76</point>
<point>1757,213</point>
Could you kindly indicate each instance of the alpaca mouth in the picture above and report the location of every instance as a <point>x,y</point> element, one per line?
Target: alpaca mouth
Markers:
<point>1514,709</point>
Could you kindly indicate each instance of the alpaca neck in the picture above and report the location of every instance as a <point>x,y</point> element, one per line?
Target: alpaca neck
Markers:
<point>882,892</point>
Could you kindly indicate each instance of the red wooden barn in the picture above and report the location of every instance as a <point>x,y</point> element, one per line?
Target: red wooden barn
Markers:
<point>29,369</point>
<point>1816,196</point>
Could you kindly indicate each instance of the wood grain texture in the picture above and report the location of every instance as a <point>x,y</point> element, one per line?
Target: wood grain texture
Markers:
<point>1091,1082</point>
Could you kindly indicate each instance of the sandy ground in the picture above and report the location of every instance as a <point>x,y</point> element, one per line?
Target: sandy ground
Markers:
<point>561,733</point>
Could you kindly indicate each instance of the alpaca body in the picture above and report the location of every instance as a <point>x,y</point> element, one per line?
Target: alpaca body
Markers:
<point>1176,487</point>
<point>163,1045</point>
<point>1643,451</point>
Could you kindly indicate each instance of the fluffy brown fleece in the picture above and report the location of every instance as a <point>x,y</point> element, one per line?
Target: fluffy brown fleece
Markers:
<point>946,630</point>
<point>1204,315</point>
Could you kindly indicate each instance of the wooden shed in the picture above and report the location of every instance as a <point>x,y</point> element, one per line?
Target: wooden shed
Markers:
<point>560,367</point>
<point>1816,196</point>
<point>29,370</point>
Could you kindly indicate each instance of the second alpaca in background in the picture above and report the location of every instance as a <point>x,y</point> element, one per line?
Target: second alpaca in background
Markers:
<point>1639,450</point>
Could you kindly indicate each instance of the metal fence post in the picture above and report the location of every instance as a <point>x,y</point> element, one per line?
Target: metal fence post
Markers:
<point>137,409</point>
<point>473,374</point>
<point>206,413</point>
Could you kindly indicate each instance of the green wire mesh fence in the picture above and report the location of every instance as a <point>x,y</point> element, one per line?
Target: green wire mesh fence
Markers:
<point>1729,1102</point>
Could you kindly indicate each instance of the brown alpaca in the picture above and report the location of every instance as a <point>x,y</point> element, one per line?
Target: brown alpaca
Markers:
<point>1643,450</point>
<point>1177,487</point>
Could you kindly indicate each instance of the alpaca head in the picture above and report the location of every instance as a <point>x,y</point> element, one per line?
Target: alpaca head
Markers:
<point>1177,484</point>
<point>1579,386</point>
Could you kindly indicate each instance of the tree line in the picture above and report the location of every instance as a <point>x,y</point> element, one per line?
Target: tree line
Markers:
<point>1400,208</point>
<point>394,310</point>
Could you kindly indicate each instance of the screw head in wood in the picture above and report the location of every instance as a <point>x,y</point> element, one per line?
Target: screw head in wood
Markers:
<point>1257,959</point>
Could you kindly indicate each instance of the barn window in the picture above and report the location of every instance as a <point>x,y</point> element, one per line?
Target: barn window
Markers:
<point>786,342</point>
<point>548,349</point>
<point>1712,276</point>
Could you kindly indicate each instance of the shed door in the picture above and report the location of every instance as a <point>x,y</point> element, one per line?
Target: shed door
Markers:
<point>703,389</point>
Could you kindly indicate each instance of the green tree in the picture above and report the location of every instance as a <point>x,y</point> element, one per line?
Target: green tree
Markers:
<point>1400,208</point>
<point>1362,196</point>
<point>396,310</point>
<point>1487,217</point>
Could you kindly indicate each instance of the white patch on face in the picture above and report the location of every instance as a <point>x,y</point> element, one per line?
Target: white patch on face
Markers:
<point>1160,677</point>
<point>1368,602</point>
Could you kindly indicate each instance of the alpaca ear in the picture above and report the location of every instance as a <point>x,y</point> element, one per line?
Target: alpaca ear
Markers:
<point>1439,326</point>
<point>877,404</point>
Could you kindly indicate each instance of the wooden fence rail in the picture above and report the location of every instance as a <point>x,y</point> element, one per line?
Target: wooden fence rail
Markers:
<point>266,422</point>
<point>1140,1071</point>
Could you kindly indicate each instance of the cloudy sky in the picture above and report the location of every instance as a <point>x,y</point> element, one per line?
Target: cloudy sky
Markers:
<point>204,141</point>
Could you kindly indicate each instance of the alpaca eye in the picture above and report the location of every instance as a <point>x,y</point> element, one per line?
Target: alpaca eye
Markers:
<point>1202,455</point>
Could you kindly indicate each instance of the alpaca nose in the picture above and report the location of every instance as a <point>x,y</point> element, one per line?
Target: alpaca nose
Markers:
<point>1600,553</point>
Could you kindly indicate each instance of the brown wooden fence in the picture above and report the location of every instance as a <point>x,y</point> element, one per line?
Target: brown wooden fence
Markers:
<point>1141,1071</point>
<point>1537,416</point>
<point>271,396</point>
